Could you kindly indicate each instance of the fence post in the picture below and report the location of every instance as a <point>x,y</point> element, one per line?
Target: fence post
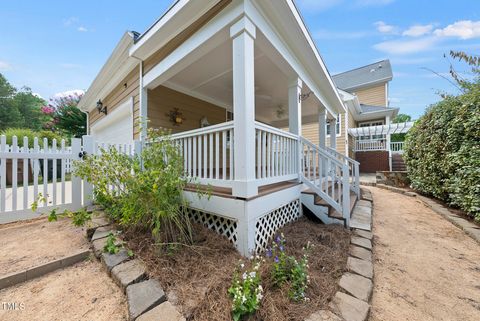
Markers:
<point>89,149</point>
<point>76,181</point>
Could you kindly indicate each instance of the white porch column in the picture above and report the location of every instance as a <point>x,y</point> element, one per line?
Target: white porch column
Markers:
<point>295,114</point>
<point>333,133</point>
<point>243,34</point>
<point>322,127</point>
<point>143,106</point>
<point>387,143</point>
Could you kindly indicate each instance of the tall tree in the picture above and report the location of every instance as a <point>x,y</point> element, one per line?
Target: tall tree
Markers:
<point>10,116</point>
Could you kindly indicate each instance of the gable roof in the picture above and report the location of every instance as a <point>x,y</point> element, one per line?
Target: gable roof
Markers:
<point>378,72</point>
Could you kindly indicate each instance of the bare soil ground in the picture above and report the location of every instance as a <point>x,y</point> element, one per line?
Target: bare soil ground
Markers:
<point>197,278</point>
<point>27,244</point>
<point>425,267</point>
<point>80,292</point>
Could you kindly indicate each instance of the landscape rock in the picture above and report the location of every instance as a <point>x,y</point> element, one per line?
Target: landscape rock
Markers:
<point>361,253</point>
<point>349,308</point>
<point>128,273</point>
<point>364,234</point>
<point>96,222</point>
<point>102,232</point>
<point>98,246</point>
<point>356,285</point>
<point>112,260</point>
<point>164,312</point>
<point>361,267</point>
<point>143,296</point>
<point>324,315</point>
<point>93,208</point>
<point>364,203</point>
<point>360,241</point>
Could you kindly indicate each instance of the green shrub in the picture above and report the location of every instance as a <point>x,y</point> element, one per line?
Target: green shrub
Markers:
<point>442,151</point>
<point>148,190</point>
<point>30,134</point>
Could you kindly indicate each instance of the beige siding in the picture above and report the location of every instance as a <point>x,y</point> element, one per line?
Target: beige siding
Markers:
<point>310,132</point>
<point>128,87</point>
<point>184,35</point>
<point>372,96</point>
<point>161,100</point>
<point>351,139</point>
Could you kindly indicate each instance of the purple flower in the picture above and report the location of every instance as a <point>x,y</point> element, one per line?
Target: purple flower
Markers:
<point>281,248</point>
<point>269,253</point>
<point>278,239</point>
<point>276,259</point>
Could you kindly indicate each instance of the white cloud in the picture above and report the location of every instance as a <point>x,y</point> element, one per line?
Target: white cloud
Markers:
<point>464,29</point>
<point>402,47</point>
<point>82,29</point>
<point>385,28</point>
<point>68,93</point>
<point>369,3</point>
<point>418,30</point>
<point>316,5</point>
<point>70,21</point>
<point>4,66</point>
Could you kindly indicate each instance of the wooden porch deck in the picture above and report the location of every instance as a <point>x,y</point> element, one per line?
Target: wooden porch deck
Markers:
<point>227,192</point>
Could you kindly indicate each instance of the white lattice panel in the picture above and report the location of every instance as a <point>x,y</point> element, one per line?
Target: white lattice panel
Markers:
<point>267,225</point>
<point>221,225</point>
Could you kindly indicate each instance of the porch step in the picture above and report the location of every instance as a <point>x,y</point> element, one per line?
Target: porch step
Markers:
<point>332,213</point>
<point>398,164</point>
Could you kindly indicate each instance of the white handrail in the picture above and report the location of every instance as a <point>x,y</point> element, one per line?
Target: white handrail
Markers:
<point>204,130</point>
<point>273,130</point>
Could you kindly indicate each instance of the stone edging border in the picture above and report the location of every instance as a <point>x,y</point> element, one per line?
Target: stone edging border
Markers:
<point>42,269</point>
<point>145,297</point>
<point>351,302</point>
<point>468,227</point>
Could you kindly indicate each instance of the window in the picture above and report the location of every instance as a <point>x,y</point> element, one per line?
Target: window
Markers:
<point>338,126</point>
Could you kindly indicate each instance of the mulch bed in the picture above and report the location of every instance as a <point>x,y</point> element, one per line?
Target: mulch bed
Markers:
<point>196,278</point>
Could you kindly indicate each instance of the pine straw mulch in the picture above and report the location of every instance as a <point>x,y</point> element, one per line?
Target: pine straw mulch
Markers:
<point>196,278</point>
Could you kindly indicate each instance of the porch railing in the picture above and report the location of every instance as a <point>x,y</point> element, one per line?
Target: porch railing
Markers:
<point>276,154</point>
<point>371,144</point>
<point>396,147</point>
<point>327,176</point>
<point>353,167</point>
<point>208,154</point>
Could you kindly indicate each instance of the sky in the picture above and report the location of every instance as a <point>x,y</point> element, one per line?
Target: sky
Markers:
<point>58,46</point>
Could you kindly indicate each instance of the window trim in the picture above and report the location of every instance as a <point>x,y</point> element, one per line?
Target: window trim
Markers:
<point>339,132</point>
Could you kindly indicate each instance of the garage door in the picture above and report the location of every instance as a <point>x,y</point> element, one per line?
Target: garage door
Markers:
<point>116,127</point>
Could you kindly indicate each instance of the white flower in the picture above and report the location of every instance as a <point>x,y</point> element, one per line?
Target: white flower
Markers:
<point>260,288</point>
<point>244,276</point>
<point>253,274</point>
<point>259,296</point>
<point>242,265</point>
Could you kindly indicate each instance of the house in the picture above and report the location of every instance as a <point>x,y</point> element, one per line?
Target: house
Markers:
<point>364,91</point>
<point>223,76</point>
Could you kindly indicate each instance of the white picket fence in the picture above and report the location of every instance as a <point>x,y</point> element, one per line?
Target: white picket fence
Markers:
<point>46,169</point>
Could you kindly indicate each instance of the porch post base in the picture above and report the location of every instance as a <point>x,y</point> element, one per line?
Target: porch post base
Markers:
<point>245,189</point>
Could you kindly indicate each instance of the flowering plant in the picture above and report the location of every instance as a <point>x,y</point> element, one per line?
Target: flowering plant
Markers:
<point>246,290</point>
<point>288,269</point>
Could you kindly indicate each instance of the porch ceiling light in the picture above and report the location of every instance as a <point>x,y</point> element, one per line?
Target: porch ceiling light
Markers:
<point>101,108</point>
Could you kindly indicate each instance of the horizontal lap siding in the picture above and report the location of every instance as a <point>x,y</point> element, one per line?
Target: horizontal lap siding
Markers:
<point>162,100</point>
<point>310,132</point>
<point>127,88</point>
<point>372,96</point>
<point>351,139</point>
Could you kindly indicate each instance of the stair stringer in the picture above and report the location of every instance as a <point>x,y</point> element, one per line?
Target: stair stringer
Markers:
<point>320,211</point>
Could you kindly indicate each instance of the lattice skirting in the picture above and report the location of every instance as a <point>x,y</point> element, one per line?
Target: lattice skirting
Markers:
<point>267,225</point>
<point>221,225</point>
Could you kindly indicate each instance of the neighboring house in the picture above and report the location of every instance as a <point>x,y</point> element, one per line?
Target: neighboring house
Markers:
<point>223,76</point>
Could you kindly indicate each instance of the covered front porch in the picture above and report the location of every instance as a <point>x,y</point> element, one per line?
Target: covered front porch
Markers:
<point>236,111</point>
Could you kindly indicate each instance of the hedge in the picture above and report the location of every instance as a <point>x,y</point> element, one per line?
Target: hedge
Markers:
<point>442,151</point>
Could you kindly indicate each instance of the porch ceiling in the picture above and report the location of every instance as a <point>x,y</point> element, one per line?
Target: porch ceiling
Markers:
<point>210,78</point>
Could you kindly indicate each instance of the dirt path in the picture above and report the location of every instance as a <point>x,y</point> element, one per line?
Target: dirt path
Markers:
<point>425,267</point>
<point>81,292</point>
<point>24,245</point>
